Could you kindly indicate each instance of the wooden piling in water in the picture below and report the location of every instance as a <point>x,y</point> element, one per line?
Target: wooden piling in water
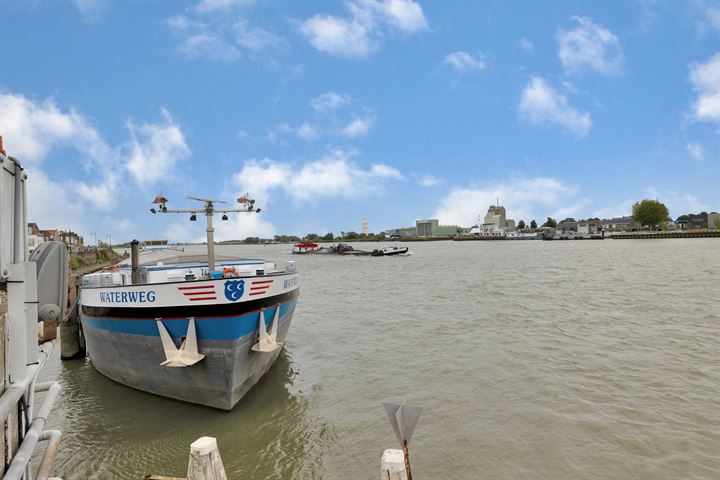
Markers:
<point>205,462</point>
<point>392,465</point>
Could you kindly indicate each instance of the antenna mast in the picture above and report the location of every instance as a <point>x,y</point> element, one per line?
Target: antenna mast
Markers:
<point>209,211</point>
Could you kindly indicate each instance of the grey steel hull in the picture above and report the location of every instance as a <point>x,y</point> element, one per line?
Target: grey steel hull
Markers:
<point>228,371</point>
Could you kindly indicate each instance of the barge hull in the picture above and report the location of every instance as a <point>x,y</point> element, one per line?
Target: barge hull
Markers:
<point>129,351</point>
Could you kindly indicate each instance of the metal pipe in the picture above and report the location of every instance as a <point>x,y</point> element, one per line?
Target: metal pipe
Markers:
<point>17,345</point>
<point>24,452</point>
<point>46,350</point>
<point>135,261</point>
<point>210,239</point>
<point>19,243</point>
<point>14,392</point>
<point>48,460</point>
<point>31,312</point>
<point>10,398</point>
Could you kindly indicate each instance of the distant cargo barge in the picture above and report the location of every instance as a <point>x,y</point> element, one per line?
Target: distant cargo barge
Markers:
<point>461,238</point>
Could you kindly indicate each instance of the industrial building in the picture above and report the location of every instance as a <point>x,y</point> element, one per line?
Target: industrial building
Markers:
<point>425,229</point>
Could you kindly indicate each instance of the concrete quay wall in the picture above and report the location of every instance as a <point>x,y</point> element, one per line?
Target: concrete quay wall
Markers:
<point>705,233</point>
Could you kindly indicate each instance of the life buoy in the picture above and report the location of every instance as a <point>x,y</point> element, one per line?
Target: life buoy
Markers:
<point>229,272</point>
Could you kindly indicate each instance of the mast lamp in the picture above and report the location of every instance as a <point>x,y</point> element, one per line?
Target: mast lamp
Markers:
<point>209,210</point>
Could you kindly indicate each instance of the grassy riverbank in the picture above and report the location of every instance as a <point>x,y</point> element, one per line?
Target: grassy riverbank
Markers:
<point>92,261</point>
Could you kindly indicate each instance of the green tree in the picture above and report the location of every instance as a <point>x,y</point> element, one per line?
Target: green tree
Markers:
<point>550,223</point>
<point>351,235</point>
<point>650,213</point>
<point>521,224</point>
<point>311,237</point>
<point>533,224</point>
<point>329,237</point>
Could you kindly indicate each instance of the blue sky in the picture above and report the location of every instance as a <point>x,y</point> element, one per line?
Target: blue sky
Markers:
<point>331,112</point>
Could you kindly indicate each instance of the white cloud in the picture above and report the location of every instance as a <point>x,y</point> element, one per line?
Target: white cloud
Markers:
<point>590,46</point>
<point>125,225</point>
<point>31,129</point>
<point>338,36</point>
<point>209,45</point>
<point>705,78</point>
<point>361,34</point>
<point>568,211</point>
<point>622,210</point>
<point>96,179</point>
<point>464,62</point>
<point>262,176</point>
<point>523,198</point>
<point>356,128</point>
<point>92,11</point>
<point>541,104</point>
<point>155,148</point>
<point>333,175</point>
<point>526,44</point>
<point>713,17</point>
<point>209,32</point>
<point>307,132</point>
<point>208,6</point>
<point>330,101</point>
<point>50,203</point>
<point>385,171</point>
<point>696,151</point>
<point>709,21</point>
<point>406,15</point>
<point>678,203</point>
<point>429,181</point>
<point>243,225</point>
<point>101,193</point>
<point>243,134</point>
<point>254,39</point>
<point>181,232</point>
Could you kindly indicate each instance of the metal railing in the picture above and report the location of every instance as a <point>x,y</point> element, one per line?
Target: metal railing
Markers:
<point>20,397</point>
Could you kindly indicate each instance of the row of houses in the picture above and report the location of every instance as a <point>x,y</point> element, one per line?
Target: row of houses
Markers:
<point>627,224</point>
<point>36,236</point>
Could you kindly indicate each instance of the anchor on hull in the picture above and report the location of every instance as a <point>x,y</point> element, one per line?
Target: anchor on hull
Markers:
<point>185,356</point>
<point>267,341</point>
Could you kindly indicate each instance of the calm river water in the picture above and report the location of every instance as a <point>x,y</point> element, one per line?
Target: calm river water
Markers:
<point>532,360</point>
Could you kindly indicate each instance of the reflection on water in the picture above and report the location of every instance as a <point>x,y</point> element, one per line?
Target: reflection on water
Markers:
<point>115,432</point>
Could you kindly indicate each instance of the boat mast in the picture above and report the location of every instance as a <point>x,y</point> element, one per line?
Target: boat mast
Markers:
<point>209,211</point>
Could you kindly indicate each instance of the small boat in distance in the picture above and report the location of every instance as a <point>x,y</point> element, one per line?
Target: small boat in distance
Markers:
<point>303,248</point>
<point>193,327</point>
<point>388,251</point>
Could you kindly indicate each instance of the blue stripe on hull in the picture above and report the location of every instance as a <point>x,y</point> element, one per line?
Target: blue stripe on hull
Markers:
<point>207,328</point>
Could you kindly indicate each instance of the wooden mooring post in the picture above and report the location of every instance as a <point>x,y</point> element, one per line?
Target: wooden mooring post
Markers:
<point>204,464</point>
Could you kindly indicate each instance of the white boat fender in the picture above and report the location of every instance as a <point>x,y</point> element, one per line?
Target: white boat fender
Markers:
<point>267,341</point>
<point>185,356</point>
